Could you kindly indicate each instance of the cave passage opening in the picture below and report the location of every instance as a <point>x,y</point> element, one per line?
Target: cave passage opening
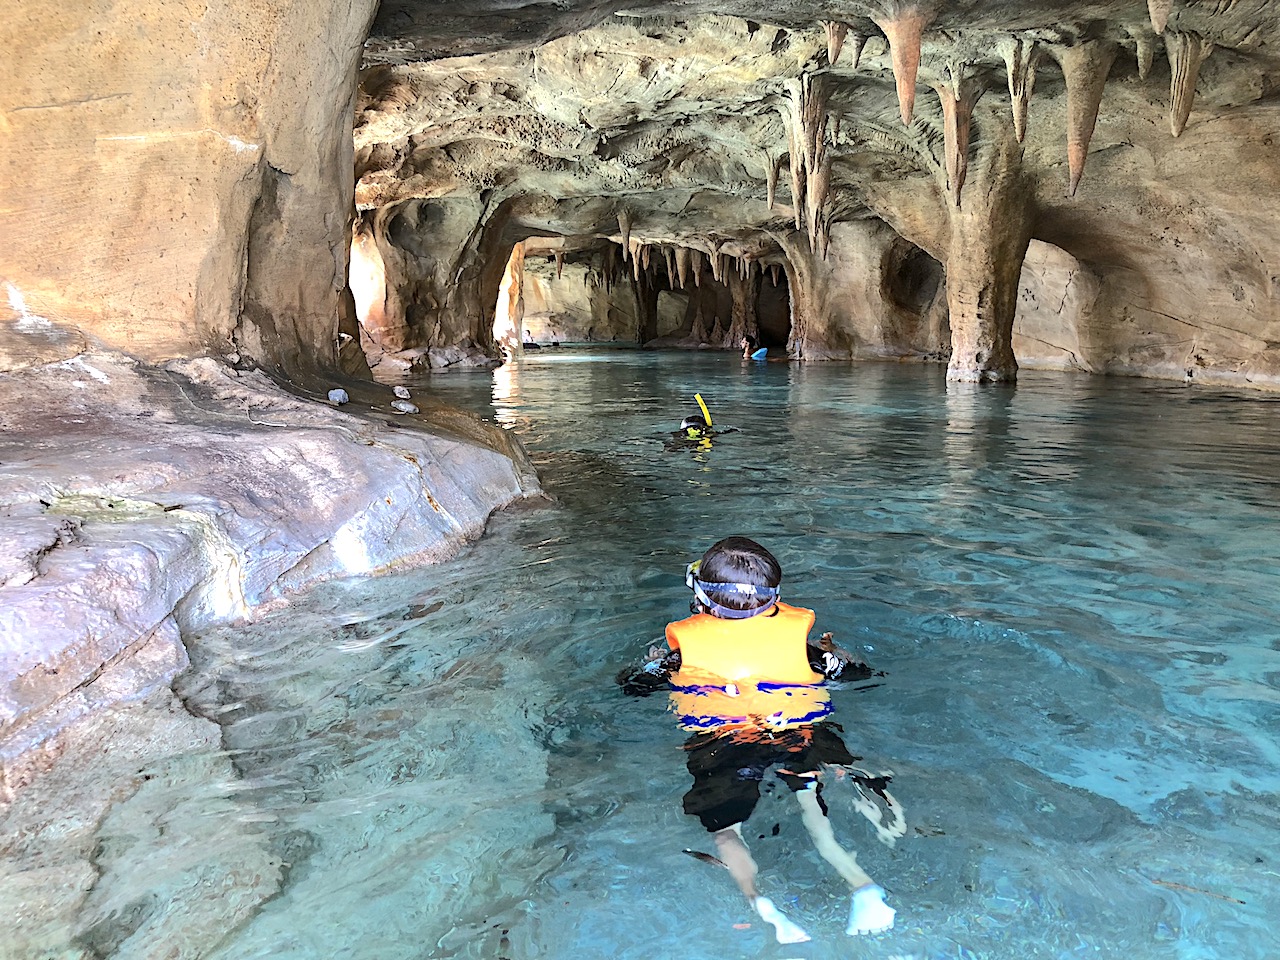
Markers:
<point>583,290</point>
<point>773,311</point>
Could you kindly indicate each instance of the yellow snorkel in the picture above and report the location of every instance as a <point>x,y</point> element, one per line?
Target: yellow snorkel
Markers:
<point>706,414</point>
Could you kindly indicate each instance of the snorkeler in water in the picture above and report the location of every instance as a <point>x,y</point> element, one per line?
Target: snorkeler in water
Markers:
<point>696,430</point>
<point>749,687</point>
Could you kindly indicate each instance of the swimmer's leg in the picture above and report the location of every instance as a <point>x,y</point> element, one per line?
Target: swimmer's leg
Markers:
<point>742,867</point>
<point>868,913</point>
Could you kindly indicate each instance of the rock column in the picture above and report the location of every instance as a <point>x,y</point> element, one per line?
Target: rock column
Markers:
<point>744,291</point>
<point>989,238</point>
<point>444,261</point>
<point>645,289</point>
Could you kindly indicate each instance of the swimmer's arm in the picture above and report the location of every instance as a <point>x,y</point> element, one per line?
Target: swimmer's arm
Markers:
<point>652,674</point>
<point>836,663</point>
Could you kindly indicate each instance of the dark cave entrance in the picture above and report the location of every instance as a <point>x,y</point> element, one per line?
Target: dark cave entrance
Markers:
<point>773,312</point>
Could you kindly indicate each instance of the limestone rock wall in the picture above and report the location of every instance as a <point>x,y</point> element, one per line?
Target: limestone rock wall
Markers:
<point>175,177</point>
<point>558,307</point>
<point>185,187</point>
<point>1184,249</point>
<point>1138,148</point>
<point>1056,298</point>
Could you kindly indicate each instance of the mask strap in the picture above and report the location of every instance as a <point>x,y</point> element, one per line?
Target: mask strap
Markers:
<point>769,594</point>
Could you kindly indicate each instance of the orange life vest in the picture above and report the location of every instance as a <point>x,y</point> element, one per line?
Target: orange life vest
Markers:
<point>746,673</point>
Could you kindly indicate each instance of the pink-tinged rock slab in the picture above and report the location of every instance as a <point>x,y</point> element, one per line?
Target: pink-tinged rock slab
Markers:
<point>139,501</point>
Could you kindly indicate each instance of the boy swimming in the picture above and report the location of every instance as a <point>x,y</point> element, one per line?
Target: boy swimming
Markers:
<point>746,682</point>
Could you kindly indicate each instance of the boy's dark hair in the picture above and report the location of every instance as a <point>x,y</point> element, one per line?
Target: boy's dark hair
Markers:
<point>738,560</point>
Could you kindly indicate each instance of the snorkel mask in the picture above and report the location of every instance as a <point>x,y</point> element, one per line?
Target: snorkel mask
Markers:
<point>695,426</point>
<point>767,596</point>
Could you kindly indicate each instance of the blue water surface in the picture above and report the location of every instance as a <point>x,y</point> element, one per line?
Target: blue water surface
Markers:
<point>1072,586</point>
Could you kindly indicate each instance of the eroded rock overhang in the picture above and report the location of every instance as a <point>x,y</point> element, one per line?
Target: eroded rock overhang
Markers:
<point>818,142</point>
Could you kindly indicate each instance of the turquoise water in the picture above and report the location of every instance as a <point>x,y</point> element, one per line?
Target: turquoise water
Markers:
<point>1072,586</point>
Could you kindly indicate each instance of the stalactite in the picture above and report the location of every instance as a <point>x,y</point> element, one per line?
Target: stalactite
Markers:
<point>1020,58</point>
<point>682,265</point>
<point>1159,11</point>
<point>807,116</point>
<point>624,228</point>
<point>816,191</point>
<point>1085,67</point>
<point>958,95</point>
<point>904,26</point>
<point>644,255</point>
<point>1186,52</point>
<point>632,248</point>
<point>610,266</point>
<point>668,255</point>
<point>835,39</point>
<point>635,264</point>
<point>813,115</point>
<point>817,162</point>
<point>771,165</point>
<point>795,149</point>
<point>695,263</point>
<point>859,42</point>
<point>559,264</point>
<point>1145,44</point>
<point>773,273</point>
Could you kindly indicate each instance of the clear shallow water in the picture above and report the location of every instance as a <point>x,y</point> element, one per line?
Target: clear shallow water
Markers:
<point>1072,585</point>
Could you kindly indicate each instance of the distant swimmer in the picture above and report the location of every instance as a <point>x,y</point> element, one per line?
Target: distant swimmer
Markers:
<point>751,350</point>
<point>696,430</point>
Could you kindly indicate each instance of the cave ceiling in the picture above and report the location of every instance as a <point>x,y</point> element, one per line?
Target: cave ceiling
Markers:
<point>701,124</point>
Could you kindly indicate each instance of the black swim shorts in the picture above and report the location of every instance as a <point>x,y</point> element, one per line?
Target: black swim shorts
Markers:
<point>727,768</point>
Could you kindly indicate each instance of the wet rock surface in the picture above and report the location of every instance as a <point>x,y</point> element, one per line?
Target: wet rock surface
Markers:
<point>142,500</point>
<point>140,504</point>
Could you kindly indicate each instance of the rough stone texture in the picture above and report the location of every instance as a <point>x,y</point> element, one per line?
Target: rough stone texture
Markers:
<point>184,189</point>
<point>858,304</point>
<point>715,134</point>
<point>138,504</point>
<point>576,306</point>
<point>1057,294</point>
<point>193,493</point>
<point>176,175</point>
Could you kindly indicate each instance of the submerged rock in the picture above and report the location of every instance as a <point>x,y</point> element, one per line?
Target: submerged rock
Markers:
<point>401,392</point>
<point>404,406</point>
<point>338,395</point>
